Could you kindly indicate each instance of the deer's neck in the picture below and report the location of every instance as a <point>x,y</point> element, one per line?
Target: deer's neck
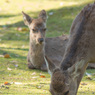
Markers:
<point>72,56</point>
<point>36,49</point>
<point>75,49</point>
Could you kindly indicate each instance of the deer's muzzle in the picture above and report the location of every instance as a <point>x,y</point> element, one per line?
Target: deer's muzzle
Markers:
<point>40,40</point>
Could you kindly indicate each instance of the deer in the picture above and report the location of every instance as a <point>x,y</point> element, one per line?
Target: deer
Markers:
<point>40,46</point>
<point>80,51</point>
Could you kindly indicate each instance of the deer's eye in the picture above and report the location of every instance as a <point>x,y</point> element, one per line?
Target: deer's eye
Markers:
<point>44,29</point>
<point>34,30</point>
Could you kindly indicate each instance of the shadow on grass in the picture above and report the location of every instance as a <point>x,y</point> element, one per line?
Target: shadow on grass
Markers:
<point>12,54</point>
<point>57,19</point>
<point>17,24</point>
<point>13,37</point>
<point>8,15</point>
<point>23,49</point>
<point>63,17</point>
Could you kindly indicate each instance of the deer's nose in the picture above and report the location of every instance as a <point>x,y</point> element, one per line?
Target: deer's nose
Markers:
<point>40,40</point>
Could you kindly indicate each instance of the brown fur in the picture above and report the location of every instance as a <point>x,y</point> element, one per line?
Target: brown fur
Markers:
<point>73,47</point>
<point>80,50</point>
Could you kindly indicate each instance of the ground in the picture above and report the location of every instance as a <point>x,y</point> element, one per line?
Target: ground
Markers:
<point>15,77</point>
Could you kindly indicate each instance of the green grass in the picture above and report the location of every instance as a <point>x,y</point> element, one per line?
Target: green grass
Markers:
<point>16,44</point>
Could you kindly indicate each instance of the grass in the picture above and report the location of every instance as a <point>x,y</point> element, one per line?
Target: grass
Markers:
<point>16,43</point>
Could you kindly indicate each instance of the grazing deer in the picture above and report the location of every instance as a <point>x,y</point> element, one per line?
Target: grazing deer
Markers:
<point>79,52</point>
<point>40,46</point>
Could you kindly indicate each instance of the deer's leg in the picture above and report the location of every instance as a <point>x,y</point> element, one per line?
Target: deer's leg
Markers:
<point>30,65</point>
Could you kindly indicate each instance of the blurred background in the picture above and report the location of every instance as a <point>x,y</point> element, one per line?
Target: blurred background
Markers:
<point>14,41</point>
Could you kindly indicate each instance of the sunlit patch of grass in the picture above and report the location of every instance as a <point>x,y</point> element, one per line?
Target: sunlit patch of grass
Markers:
<point>16,43</point>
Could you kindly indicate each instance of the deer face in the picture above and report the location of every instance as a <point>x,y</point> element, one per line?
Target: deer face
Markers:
<point>60,81</point>
<point>37,27</point>
<point>59,85</point>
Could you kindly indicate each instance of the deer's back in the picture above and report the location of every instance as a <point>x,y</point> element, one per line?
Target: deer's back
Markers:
<point>55,48</point>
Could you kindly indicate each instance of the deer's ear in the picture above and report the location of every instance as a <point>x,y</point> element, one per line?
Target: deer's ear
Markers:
<point>27,19</point>
<point>43,15</point>
<point>50,65</point>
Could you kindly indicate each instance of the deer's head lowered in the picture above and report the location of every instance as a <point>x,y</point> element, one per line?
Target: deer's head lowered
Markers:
<point>65,82</point>
<point>37,27</point>
<point>60,80</point>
